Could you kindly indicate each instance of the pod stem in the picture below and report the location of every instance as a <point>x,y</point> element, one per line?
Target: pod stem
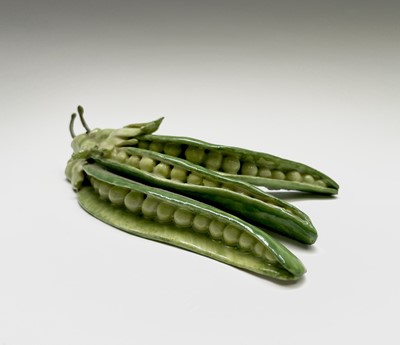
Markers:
<point>71,125</point>
<point>84,124</point>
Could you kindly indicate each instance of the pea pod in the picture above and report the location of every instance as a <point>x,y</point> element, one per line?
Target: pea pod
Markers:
<point>171,218</point>
<point>237,197</point>
<point>258,168</point>
<point>143,202</point>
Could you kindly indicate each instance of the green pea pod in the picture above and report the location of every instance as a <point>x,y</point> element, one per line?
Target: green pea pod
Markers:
<point>102,172</point>
<point>257,168</point>
<point>171,218</point>
<point>237,197</point>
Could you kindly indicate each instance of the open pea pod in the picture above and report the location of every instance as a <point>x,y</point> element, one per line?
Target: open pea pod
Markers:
<point>257,168</point>
<point>171,218</point>
<point>237,197</point>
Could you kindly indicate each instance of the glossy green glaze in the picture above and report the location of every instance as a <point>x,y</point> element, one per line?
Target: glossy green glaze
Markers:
<point>194,195</point>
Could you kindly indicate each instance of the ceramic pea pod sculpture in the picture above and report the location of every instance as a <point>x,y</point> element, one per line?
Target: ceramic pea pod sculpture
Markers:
<point>195,195</point>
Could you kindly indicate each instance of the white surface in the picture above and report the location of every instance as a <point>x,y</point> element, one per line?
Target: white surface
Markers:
<point>323,91</point>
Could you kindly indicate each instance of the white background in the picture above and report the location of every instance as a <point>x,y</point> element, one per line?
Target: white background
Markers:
<point>316,83</point>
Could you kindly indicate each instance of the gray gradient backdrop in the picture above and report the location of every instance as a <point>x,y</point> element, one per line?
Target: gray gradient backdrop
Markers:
<point>314,81</point>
